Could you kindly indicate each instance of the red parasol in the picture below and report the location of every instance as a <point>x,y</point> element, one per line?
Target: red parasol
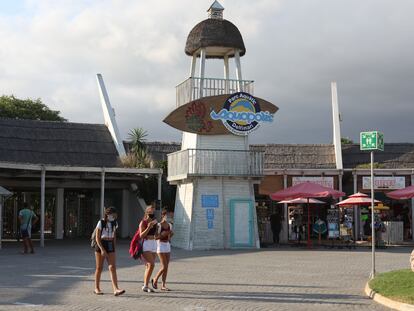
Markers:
<point>402,194</point>
<point>357,199</point>
<point>302,201</point>
<point>306,190</point>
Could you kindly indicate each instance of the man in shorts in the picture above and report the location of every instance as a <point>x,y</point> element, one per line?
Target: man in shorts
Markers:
<point>27,217</point>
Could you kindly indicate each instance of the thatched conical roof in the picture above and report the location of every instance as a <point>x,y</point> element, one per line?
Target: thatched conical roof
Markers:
<point>214,33</point>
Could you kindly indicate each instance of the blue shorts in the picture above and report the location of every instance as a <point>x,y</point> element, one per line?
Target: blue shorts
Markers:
<point>107,245</point>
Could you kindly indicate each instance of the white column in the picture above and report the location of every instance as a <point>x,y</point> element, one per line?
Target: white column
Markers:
<point>192,74</point>
<point>226,74</point>
<point>202,70</point>
<point>125,214</point>
<point>1,218</point>
<point>102,205</point>
<point>336,127</point>
<point>59,211</point>
<point>42,206</point>
<point>238,70</point>
<point>412,211</point>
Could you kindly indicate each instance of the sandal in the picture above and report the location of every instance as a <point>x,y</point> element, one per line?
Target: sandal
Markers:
<point>98,292</point>
<point>119,292</point>
<point>154,284</point>
<point>166,289</point>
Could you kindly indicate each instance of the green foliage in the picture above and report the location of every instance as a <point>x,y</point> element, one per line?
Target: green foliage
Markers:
<point>138,137</point>
<point>368,165</point>
<point>29,109</point>
<point>397,285</point>
<point>346,141</point>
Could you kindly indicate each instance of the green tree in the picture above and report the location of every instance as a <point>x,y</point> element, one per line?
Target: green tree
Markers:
<point>138,155</point>
<point>346,141</point>
<point>29,109</point>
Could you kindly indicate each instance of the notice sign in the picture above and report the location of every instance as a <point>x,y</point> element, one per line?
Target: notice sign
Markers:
<point>384,182</point>
<point>323,181</point>
<point>209,201</point>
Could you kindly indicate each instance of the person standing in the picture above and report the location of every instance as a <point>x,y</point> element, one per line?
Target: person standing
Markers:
<point>164,234</point>
<point>27,218</point>
<point>105,249</point>
<point>148,229</point>
<point>276,225</point>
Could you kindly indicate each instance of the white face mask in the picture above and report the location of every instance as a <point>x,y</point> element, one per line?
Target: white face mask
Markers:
<point>111,218</point>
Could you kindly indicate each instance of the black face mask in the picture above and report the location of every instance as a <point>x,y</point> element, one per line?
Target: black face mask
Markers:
<point>151,216</point>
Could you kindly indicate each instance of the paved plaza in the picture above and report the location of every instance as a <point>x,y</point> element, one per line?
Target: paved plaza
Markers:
<point>60,277</point>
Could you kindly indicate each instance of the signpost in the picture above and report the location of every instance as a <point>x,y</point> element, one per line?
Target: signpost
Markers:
<point>371,141</point>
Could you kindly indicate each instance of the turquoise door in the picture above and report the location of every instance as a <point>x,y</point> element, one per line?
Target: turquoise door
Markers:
<point>241,222</point>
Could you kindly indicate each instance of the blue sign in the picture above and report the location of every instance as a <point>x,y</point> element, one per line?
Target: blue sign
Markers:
<point>210,214</point>
<point>209,201</point>
<point>209,224</point>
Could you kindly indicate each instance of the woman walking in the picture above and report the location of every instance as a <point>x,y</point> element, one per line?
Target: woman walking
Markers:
<point>148,228</point>
<point>105,249</point>
<point>164,234</point>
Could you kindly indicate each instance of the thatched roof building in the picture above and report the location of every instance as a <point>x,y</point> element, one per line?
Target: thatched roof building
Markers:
<point>395,155</point>
<point>309,156</point>
<point>56,143</point>
<point>215,33</point>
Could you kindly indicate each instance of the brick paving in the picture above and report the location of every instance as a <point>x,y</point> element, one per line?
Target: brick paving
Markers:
<point>60,277</point>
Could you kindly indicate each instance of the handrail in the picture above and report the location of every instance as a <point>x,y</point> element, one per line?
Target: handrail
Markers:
<point>215,162</point>
<point>194,88</point>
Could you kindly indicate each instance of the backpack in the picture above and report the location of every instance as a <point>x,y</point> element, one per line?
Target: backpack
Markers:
<point>93,235</point>
<point>135,247</point>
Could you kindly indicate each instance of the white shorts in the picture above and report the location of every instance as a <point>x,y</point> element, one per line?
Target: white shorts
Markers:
<point>149,246</point>
<point>163,247</point>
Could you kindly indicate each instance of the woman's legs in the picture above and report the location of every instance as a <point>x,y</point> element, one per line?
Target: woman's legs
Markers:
<point>112,270</point>
<point>149,266</point>
<point>99,260</point>
<point>160,272</point>
<point>164,274</point>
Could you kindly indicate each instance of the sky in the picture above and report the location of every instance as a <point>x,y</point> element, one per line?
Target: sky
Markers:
<point>294,48</point>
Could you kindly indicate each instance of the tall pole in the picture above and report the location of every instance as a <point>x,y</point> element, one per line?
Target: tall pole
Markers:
<point>372,217</point>
<point>1,218</point>
<point>102,192</point>
<point>309,226</point>
<point>42,207</point>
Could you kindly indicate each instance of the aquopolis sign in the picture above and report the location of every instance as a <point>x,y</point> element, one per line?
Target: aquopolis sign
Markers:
<point>241,114</point>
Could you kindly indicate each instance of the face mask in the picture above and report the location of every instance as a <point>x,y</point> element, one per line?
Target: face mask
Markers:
<point>151,216</point>
<point>111,218</point>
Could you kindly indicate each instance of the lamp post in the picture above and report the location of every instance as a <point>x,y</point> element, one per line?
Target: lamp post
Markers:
<point>371,141</point>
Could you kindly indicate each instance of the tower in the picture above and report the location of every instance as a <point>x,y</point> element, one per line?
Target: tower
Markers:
<point>215,171</point>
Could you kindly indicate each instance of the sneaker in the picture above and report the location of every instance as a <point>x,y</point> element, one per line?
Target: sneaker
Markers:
<point>147,289</point>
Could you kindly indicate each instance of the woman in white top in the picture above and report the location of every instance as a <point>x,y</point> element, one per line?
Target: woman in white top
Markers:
<point>105,248</point>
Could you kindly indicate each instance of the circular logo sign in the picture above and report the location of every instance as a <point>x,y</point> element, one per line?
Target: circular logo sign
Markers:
<point>241,114</point>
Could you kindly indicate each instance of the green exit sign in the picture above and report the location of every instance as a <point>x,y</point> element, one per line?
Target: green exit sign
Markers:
<point>371,141</point>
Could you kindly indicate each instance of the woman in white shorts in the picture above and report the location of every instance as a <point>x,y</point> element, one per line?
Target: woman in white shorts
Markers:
<point>164,234</point>
<point>148,228</point>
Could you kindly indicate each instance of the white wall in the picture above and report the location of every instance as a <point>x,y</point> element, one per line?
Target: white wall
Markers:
<point>182,215</point>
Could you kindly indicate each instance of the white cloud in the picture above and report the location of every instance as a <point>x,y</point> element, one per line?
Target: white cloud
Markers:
<point>53,49</point>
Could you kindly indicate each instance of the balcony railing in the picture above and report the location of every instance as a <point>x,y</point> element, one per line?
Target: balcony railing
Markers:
<point>213,162</point>
<point>195,88</point>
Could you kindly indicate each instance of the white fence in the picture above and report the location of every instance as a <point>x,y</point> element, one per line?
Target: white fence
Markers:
<point>195,88</point>
<point>214,162</point>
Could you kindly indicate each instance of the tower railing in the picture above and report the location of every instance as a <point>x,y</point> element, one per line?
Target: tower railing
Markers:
<point>215,162</point>
<point>194,88</point>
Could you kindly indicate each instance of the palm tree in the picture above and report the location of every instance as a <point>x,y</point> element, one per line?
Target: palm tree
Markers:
<point>137,137</point>
<point>138,157</point>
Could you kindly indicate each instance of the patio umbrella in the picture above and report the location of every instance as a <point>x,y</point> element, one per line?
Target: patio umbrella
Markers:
<point>357,199</point>
<point>302,201</point>
<point>306,190</point>
<point>402,194</point>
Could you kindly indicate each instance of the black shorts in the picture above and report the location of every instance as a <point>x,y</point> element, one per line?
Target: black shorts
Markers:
<point>107,245</point>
